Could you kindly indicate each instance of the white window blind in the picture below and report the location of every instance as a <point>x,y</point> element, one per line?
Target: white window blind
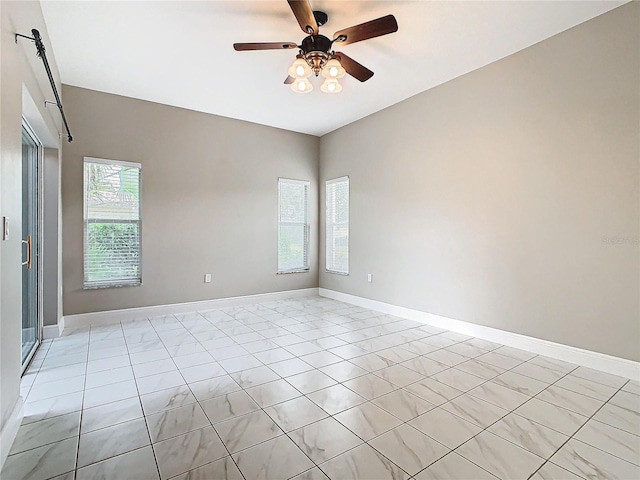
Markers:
<point>293,226</point>
<point>337,228</point>
<point>112,226</point>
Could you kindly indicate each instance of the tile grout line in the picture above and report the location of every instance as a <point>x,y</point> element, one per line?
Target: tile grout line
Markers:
<point>532,397</point>
<point>589,418</point>
<point>299,397</point>
<point>348,360</point>
<point>464,393</point>
<point>366,442</point>
<point>284,433</point>
<point>332,416</point>
<point>458,396</point>
<point>399,345</point>
<point>77,456</point>
<point>580,428</point>
<point>499,419</point>
<point>370,401</point>
<point>37,370</point>
<point>300,313</point>
<point>197,401</point>
<point>153,451</point>
<point>144,414</point>
<point>199,405</point>
<point>80,420</point>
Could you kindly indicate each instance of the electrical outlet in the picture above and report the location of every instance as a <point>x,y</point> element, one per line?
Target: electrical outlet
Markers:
<point>207,278</point>
<point>369,277</point>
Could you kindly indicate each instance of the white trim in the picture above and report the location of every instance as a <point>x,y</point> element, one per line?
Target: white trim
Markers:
<point>336,180</point>
<point>115,316</point>
<point>10,430</point>
<point>109,282</point>
<point>294,181</point>
<point>53,331</point>
<point>598,361</point>
<point>345,178</point>
<point>306,226</point>
<point>297,270</point>
<point>106,161</point>
<point>50,331</point>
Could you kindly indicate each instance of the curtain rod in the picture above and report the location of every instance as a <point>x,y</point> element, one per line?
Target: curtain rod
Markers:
<point>42,54</point>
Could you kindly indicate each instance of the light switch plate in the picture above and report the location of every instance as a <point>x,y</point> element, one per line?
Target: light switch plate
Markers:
<point>369,277</point>
<point>207,278</point>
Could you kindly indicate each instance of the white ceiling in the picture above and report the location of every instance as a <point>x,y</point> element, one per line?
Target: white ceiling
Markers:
<point>180,53</point>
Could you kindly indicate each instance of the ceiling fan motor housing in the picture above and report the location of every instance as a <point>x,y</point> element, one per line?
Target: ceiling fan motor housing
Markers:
<point>316,43</point>
<point>315,49</point>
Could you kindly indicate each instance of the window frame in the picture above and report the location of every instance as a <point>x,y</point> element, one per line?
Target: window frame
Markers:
<point>327,183</point>
<point>93,285</point>
<point>306,225</point>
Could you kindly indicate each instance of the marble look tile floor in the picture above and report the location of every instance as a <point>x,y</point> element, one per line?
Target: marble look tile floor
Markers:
<point>311,389</point>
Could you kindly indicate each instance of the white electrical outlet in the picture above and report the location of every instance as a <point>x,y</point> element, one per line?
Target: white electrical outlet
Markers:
<point>207,278</point>
<point>369,277</point>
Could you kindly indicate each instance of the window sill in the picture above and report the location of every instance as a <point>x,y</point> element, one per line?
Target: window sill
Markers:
<point>293,271</point>
<point>337,273</point>
<point>112,285</point>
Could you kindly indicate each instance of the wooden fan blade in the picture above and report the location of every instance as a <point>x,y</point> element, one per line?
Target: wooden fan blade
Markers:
<point>240,47</point>
<point>353,68</point>
<point>289,80</point>
<point>303,13</point>
<point>364,31</point>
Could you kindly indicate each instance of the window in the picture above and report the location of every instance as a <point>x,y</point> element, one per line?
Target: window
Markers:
<point>337,231</point>
<point>293,226</point>
<point>112,224</point>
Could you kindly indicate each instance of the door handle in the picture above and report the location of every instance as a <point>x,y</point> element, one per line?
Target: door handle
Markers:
<point>28,243</point>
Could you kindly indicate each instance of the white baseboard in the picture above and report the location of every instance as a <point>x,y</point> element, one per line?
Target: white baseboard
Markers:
<point>598,361</point>
<point>50,331</point>
<point>115,316</point>
<point>10,430</point>
<point>53,331</point>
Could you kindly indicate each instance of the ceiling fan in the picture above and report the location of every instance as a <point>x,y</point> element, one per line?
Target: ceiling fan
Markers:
<point>316,54</point>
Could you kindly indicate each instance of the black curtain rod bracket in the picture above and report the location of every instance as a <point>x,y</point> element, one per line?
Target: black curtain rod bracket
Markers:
<point>24,36</point>
<point>42,54</point>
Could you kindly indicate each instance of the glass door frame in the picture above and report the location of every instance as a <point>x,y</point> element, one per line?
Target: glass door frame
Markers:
<point>37,253</point>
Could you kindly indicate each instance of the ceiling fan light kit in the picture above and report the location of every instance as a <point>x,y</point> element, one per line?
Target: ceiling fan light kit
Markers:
<point>316,51</point>
<point>333,69</point>
<point>300,68</point>
<point>301,85</point>
<point>331,85</point>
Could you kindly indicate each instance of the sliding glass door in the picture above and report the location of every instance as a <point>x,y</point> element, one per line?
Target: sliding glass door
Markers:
<point>31,152</point>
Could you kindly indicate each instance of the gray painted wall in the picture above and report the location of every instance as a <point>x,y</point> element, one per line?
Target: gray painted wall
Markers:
<point>209,200</point>
<point>492,198</point>
<point>20,71</point>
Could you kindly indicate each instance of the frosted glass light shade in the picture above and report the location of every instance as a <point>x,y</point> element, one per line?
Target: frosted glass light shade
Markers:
<point>301,85</point>
<point>331,85</point>
<point>333,69</point>
<point>300,69</point>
